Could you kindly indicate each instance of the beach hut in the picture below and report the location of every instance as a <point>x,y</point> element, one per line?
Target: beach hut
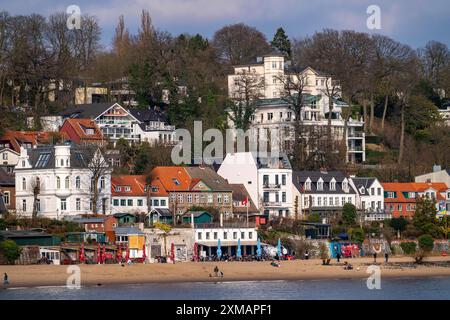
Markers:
<point>133,238</point>
<point>199,217</point>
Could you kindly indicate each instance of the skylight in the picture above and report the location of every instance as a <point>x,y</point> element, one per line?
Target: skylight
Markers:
<point>42,160</point>
<point>177,183</point>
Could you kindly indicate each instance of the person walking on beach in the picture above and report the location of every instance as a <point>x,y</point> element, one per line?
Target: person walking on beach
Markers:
<point>306,255</point>
<point>5,280</point>
<point>374,257</point>
<point>338,256</point>
<point>216,271</point>
<point>386,257</point>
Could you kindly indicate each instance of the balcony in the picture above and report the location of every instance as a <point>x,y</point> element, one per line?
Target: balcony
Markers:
<point>271,186</point>
<point>356,134</point>
<point>273,204</point>
<point>62,193</point>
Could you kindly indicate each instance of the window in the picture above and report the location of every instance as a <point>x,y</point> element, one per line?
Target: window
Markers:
<point>24,205</point>
<point>277,182</point>
<point>180,198</point>
<point>226,198</point>
<point>215,235</point>
<point>379,191</point>
<point>140,202</point>
<point>325,201</point>
<point>78,182</point>
<point>163,202</point>
<point>266,197</point>
<point>63,204</point>
<point>265,180</point>
<point>42,160</point>
<point>344,185</point>
<point>177,183</point>
<point>319,201</point>
<point>331,201</point>
<point>225,235</point>
<point>24,184</point>
<point>242,235</point>
<point>189,198</point>
<point>156,202</point>
<point>102,183</point>
<point>332,185</point>
<point>308,185</point>
<point>199,236</point>
<point>306,201</point>
<point>235,235</point>
<point>219,198</point>
<point>277,197</point>
<point>67,183</point>
<point>6,197</point>
<point>207,235</point>
<point>283,180</point>
<point>283,197</point>
<point>123,202</point>
<point>250,235</point>
<point>118,189</point>
<point>210,198</point>
<point>319,185</point>
<point>38,205</point>
<point>58,183</point>
<point>130,202</point>
<point>349,200</point>
<point>115,202</point>
<point>5,156</point>
<point>274,65</point>
<point>127,189</point>
<point>399,207</point>
<point>372,191</point>
<point>391,194</point>
<point>78,204</point>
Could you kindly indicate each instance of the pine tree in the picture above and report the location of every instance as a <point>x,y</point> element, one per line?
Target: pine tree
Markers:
<point>282,42</point>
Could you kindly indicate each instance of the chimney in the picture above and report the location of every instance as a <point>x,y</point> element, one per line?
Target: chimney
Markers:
<point>221,220</point>
<point>437,168</point>
<point>192,220</point>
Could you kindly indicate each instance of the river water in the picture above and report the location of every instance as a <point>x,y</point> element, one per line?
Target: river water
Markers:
<point>410,288</point>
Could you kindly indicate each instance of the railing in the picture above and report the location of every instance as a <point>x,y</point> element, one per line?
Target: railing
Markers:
<point>273,204</point>
<point>230,225</point>
<point>271,186</point>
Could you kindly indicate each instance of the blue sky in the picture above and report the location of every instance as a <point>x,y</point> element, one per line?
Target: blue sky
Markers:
<point>411,21</point>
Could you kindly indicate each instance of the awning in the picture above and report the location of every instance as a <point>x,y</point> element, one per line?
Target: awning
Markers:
<point>227,243</point>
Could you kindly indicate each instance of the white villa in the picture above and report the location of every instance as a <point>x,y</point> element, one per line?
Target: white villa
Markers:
<point>132,125</point>
<point>370,198</point>
<point>273,112</point>
<point>59,178</point>
<point>268,180</point>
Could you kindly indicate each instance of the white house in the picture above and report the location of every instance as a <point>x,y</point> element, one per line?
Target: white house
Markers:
<point>370,198</point>
<point>129,194</point>
<point>8,158</point>
<point>273,112</point>
<point>59,178</point>
<point>321,192</point>
<point>268,180</point>
<point>207,237</point>
<point>132,125</point>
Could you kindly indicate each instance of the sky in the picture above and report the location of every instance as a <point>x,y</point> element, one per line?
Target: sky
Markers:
<point>413,22</point>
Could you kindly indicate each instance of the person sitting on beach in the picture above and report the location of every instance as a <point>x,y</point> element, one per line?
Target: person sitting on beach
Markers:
<point>347,266</point>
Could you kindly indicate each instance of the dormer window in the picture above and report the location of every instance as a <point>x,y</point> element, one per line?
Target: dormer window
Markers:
<point>345,185</point>
<point>308,185</point>
<point>319,185</point>
<point>127,189</point>
<point>89,131</point>
<point>177,183</point>
<point>333,185</point>
<point>118,189</point>
<point>362,191</point>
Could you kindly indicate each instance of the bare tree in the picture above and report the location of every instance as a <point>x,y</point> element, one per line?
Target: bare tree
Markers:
<point>92,156</point>
<point>248,89</point>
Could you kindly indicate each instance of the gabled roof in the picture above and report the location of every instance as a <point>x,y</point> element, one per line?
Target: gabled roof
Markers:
<point>196,213</point>
<point>80,126</point>
<point>417,187</point>
<point>162,212</point>
<point>148,114</point>
<point>136,183</point>
<point>18,138</point>
<point>300,177</point>
<point>171,178</point>
<point>208,176</point>
<point>128,231</point>
<point>87,111</point>
<point>363,182</point>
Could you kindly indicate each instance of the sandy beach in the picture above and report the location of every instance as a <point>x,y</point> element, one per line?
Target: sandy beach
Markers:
<point>48,275</point>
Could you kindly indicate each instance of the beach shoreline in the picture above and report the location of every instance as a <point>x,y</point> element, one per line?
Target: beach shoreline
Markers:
<point>92,275</point>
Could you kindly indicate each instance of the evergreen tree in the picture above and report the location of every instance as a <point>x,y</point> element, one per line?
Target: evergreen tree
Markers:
<point>425,217</point>
<point>282,42</point>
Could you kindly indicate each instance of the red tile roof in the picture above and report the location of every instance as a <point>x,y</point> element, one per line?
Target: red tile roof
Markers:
<point>416,187</point>
<point>79,127</point>
<point>18,138</point>
<point>136,183</point>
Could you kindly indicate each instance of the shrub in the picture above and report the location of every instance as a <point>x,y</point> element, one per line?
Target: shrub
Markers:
<point>10,250</point>
<point>408,247</point>
<point>426,243</point>
<point>358,235</point>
